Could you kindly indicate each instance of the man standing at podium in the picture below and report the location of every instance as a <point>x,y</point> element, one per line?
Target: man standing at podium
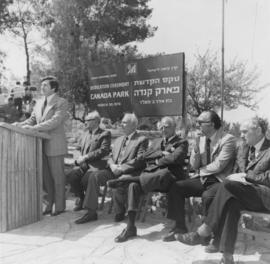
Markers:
<point>49,116</point>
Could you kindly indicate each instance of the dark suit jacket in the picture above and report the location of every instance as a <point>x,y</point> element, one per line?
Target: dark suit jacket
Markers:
<point>137,145</point>
<point>258,173</point>
<point>95,149</point>
<point>175,161</point>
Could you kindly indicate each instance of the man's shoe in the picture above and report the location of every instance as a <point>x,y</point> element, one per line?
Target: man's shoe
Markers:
<point>119,217</point>
<point>192,238</point>
<point>171,235</point>
<point>116,183</point>
<point>88,217</point>
<point>126,234</point>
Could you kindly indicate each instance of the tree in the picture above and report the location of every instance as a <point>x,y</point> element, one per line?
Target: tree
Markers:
<point>23,22</point>
<point>203,85</point>
<point>84,33</point>
<point>4,14</point>
<point>2,68</point>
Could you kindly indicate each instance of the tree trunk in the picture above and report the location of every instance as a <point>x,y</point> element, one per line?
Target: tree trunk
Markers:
<point>26,49</point>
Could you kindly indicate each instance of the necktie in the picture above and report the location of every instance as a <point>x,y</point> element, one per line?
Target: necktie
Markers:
<point>208,150</point>
<point>44,106</point>
<point>251,155</point>
<point>122,151</point>
<point>205,180</point>
<point>164,144</point>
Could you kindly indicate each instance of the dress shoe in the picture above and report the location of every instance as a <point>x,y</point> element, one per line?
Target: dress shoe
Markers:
<point>116,183</point>
<point>88,217</point>
<point>192,238</point>
<point>126,234</point>
<point>57,213</point>
<point>171,235</point>
<point>119,217</point>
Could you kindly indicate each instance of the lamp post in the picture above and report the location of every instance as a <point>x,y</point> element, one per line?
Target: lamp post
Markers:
<point>222,60</point>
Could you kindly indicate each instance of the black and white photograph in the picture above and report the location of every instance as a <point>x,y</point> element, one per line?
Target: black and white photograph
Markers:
<point>134,131</point>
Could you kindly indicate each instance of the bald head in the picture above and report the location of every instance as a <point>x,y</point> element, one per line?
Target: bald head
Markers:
<point>168,126</point>
<point>129,123</point>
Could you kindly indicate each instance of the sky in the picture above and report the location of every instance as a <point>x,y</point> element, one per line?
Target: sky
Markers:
<point>193,26</point>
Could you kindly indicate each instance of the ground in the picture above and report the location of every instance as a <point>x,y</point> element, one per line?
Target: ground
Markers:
<point>58,240</point>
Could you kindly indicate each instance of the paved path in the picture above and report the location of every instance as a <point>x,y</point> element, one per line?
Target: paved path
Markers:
<point>58,240</point>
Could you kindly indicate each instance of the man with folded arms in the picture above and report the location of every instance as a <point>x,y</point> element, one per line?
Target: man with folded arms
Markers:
<point>241,191</point>
<point>213,157</point>
<point>95,146</point>
<point>165,161</point>
<point>125,150</point>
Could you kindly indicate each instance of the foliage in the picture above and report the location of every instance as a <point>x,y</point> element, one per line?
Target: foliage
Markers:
<point>22,23</point>
<point>84,33</point>
<point>4,14</point>
<point>204,85</point>
<point>2,68</point>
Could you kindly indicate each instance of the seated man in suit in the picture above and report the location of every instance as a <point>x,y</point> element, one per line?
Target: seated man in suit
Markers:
<point>213,156</point>
<point>164,164</point>
<point>124,152</point>
<point>95,146</point>
<point>249,190</point>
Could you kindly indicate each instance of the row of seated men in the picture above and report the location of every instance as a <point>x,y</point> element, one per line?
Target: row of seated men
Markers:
<point>228,177</point>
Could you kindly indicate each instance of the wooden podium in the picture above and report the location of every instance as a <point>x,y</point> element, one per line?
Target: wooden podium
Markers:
<point>20,176</point>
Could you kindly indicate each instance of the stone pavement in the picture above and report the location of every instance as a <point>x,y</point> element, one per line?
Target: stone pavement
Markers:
<point>58,240</point>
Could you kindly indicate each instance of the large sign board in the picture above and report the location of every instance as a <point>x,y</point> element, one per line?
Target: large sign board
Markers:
<point>152,86</point>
